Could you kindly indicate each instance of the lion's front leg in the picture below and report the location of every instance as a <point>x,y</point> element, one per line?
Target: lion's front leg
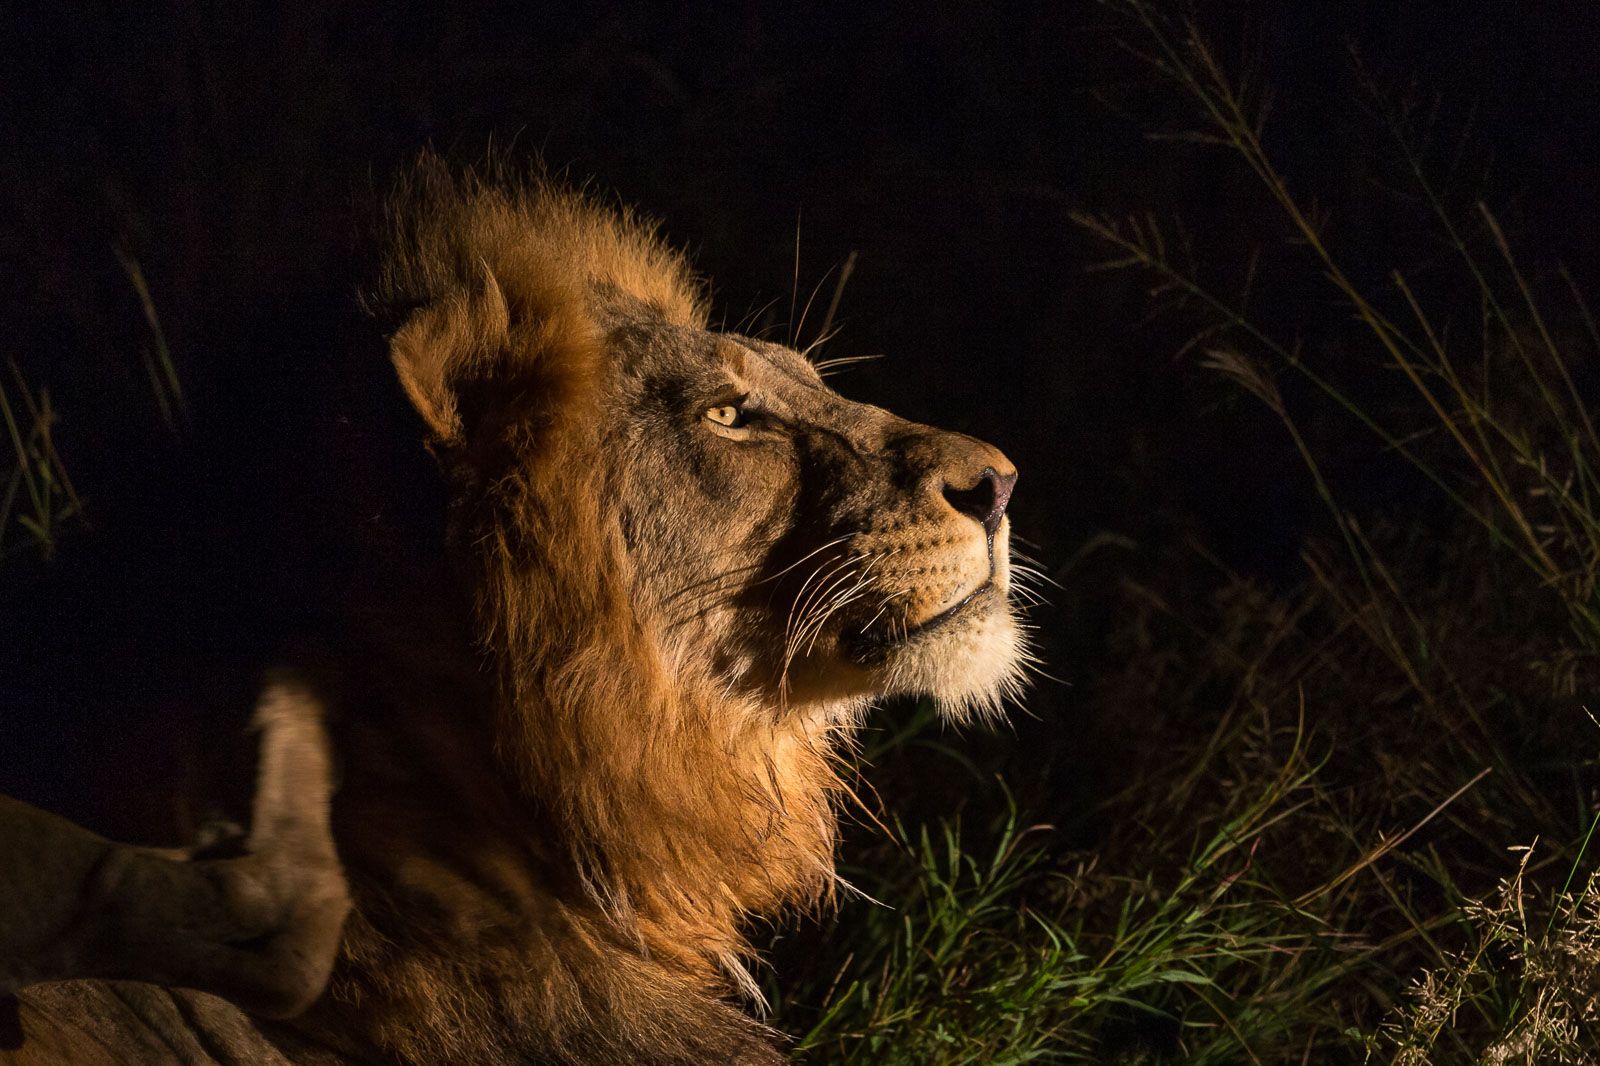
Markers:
<point>261,929</point>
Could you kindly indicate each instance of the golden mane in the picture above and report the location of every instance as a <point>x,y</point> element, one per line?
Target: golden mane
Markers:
<point>690,565</point>
<point>486,261</point>
<point>682,810</point>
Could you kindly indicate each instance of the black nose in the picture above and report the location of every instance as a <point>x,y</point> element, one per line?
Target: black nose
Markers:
<point>986,501</point>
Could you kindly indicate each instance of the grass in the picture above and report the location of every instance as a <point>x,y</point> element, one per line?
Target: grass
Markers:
<point>38,499</point>
<point>159,368</point>
<point>1422,889</point>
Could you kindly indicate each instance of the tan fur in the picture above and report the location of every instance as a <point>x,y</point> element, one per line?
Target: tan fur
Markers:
<point>664,766</point>
<point>692,565</point>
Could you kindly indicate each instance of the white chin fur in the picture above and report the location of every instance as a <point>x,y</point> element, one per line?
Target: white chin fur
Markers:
<point>969,667</point>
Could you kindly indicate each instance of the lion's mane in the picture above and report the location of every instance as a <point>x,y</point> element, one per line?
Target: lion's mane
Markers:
<point>676,809</point>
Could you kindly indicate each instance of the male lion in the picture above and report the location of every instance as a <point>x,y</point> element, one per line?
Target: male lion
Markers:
<point>692,565</point>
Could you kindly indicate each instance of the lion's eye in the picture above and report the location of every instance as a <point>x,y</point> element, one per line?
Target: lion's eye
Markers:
<point>727,414</point>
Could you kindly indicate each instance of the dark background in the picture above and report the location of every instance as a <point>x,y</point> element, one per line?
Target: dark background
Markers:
<point>234,150</point>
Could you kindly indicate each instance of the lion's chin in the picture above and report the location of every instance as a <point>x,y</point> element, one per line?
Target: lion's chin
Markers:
<point>968,658</point>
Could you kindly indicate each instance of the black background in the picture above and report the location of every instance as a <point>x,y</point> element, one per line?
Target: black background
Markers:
<point>234,148</point>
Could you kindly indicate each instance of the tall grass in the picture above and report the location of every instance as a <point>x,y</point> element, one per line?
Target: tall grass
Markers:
<point>160,370</point>
<point>38,498</point>
<point>1506,439</point>
<point>1536,470</point>
<point>1359,811</point>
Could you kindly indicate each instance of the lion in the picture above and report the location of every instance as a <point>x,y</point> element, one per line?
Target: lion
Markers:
<point>690,567</point>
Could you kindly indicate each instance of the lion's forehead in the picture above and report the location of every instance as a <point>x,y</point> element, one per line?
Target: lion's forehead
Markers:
<point>775,358</point>
<point>677,365</point>
<point>780,375</point>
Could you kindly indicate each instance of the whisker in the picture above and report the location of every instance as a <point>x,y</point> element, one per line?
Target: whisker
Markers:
<point>696,596</point>
<point>695,587</point>
<point>803,558</point>
<point>824,574</point>
<point>751,316</point>
<point>838,604</point>
<point>841,600</point>
<point>850,595</point>
<point>824,365</point>
<point>800,609</point>
<point>823,590</point>
<point>884,606</point>
<point>800,326</point>
<point>1029,597</point>
<point>841,590</point>
<point>823,338</point>
<point>1033,568</point>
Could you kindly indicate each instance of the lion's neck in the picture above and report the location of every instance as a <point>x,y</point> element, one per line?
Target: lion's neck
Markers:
<point>688,814</point>
<point>584,880</point>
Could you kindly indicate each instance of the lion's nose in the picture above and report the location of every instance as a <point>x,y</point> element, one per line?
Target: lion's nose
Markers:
<point>986,501</point>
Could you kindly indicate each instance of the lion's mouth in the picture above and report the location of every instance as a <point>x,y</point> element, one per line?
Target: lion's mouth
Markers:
<point>862,644</point>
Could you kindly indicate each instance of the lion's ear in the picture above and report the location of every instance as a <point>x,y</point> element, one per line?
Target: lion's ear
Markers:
<point>459,338</point>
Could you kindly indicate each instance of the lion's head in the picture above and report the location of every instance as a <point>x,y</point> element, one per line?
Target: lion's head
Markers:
<point>694,563</point>
<point>803,549</point>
